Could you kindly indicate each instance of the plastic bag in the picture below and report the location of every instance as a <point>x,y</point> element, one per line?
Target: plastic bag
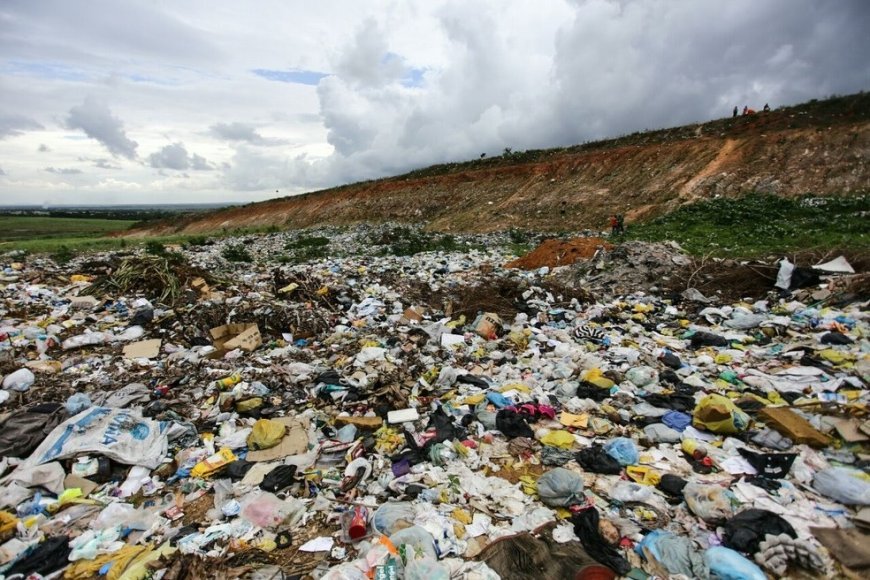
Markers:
<point>677,554</point>
<point>418,538</point>
<point>560,487</point>
<point>77,403</point>
<point>726,564</point>
<point>783,277</point>
<point>387,518</point>
<point>745,531</point>
<point>661,433</point>
<point>711,503</point>
<point>641,376</point>
<point>629,491</point>
<point>20,380</point>
<point>264,509</point>
<point>596,460</point>
<point>279,478</point>
<point>842,485</point>
<point>266,434</point>
<point>558,438</point>
<point>623,450</point>
<point>719,414</point>
<point>426,569</point>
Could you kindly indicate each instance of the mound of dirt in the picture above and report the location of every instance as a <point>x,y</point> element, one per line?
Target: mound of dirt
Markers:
<point>554,253</point>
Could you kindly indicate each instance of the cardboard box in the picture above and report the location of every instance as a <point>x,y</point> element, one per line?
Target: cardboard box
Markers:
<point>412,315</point>
<point>245,335</point>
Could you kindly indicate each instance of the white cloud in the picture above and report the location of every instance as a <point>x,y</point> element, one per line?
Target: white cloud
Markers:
<point>97,121</point>
<point>175,156</point>
<point>405,85</point>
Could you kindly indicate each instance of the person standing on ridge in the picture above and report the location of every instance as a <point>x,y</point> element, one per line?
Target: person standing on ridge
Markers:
<point>766,108</point>
<point>614,225</point>
<point>734,114</point>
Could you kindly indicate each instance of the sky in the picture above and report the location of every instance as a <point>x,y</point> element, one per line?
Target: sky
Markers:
<point>209,101</point>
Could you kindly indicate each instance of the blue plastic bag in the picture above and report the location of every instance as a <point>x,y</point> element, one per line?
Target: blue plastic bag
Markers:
<point>623,450</point>
<point>726,564</point>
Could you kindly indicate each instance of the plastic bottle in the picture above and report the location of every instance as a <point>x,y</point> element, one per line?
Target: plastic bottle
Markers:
<point>694,448</point>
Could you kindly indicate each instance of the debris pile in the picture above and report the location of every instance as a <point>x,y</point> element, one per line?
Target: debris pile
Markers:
<point>427,416</point>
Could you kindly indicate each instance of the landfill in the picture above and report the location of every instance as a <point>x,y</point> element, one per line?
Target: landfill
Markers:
<point>353,414</point>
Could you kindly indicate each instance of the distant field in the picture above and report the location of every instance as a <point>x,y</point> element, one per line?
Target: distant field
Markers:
<point>30,228</point>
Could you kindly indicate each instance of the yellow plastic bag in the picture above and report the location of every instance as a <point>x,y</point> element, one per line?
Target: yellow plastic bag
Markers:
<point>643,475</point>
<point>212,463</point>
<point>571,420</point>
<point>719,414</point>
<point>561,439</point>
<point>597,378</point>
<point>266,434</point>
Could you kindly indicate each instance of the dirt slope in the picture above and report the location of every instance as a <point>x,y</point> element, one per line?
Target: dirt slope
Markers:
<point>819,147</point>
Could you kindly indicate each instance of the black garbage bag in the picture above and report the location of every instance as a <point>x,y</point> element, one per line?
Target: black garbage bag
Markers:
<point>237,469</point>
<point>589,391</point>
<point>671,360</point>
<point>512,424</point>
<point>835,337</point>
<point>672,485</point>
<point>279,478</point>
<point>47,557</point>
<point>586,528</point>
<point>597,460</point>
<point>745,531</point>
<point>470,379</point>
<point>803,277</point>
<point>24,430</point>
<point>702,338</point>
<point>445,427</point>
<point>770,465</point>
<point>674,401</point>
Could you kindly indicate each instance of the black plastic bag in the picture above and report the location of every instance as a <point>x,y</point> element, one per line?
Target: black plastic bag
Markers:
<point>702,338</point>
<point>745,531</point>
<point>237,469</point>
<point>513,424</point>
<point>597,460</point>
<point>672,485</point>
<point>835,337</point>
<point>279,478</point>
<point>586,528</point>
<point>45,558</point>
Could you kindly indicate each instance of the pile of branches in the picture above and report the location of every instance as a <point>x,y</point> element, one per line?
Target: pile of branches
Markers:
<point>159,278</point>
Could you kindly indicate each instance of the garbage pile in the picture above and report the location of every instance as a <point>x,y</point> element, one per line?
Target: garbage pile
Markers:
<point>427,416</point>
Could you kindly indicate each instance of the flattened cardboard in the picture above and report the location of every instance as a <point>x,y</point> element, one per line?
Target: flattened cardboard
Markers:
<point>143,349</point>
<point>849,430</point>
<point>294,442</point>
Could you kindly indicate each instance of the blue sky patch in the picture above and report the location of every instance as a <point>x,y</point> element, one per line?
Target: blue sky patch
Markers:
<point>44,70</point>
<point>414,77</point>
<point>299,77</point>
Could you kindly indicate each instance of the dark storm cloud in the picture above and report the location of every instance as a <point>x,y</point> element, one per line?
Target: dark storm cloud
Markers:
<point>96,120</point>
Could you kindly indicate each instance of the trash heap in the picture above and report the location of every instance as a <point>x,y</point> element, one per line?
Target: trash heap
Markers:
<point>427,416</point>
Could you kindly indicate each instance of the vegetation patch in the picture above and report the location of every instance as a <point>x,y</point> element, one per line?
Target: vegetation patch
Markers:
<point>759,224</point>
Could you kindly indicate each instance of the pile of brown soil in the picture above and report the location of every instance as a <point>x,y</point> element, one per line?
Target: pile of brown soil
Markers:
<point>554,253</point>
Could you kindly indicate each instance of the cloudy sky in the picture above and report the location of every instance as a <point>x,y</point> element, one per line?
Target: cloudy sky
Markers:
<point>160,101</point>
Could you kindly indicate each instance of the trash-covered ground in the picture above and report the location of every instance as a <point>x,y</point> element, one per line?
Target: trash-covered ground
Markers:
<point>188,413</point>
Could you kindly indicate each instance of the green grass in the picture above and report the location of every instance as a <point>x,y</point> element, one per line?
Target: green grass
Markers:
<point>763,224</point>
<point>23,228</point>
